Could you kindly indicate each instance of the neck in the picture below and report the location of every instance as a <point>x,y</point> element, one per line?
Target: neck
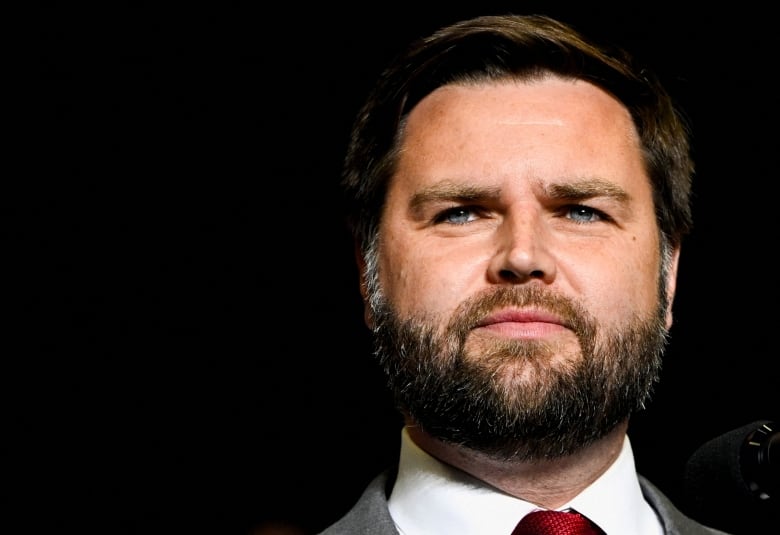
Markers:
<point>546,483</point>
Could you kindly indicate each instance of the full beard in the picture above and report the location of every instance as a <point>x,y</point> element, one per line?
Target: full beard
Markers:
<point>510,401</point>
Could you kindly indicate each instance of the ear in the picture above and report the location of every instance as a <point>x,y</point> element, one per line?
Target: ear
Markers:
<point>671,285</point>
<point>360,261</point>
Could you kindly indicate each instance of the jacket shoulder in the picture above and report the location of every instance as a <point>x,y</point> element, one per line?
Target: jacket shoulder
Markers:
<point>370,514</point>
<point>674,521</point>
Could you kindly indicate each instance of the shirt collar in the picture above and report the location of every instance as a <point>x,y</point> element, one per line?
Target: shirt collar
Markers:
<point>432,497</point>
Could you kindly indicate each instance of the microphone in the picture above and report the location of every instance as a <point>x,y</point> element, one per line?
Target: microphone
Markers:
<point>735,478</point>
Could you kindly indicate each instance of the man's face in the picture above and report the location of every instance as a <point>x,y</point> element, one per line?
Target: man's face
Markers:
<point>515,291</point>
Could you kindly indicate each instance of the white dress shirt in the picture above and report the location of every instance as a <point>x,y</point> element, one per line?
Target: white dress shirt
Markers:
<point>430,497</point>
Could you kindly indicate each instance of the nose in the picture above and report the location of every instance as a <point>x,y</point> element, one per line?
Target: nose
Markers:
<point>523,251</point>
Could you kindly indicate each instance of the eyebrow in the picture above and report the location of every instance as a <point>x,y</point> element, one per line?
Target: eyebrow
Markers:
<point>587,189</point>
<point>453,192</point>
<point>580,189</point>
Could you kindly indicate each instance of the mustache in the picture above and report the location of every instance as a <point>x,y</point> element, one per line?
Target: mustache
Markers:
<point>474,310</point>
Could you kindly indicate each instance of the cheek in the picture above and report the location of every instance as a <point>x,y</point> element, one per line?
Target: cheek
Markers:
<point>629,287</point>
<point>420,283</point>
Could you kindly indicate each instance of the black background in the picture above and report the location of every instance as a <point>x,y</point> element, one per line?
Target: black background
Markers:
<point>191,354</point>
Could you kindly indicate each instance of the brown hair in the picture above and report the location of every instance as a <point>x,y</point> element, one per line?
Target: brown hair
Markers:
<point>517,46</point>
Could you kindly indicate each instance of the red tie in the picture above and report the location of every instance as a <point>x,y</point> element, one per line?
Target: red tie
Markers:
<point>556,523</point>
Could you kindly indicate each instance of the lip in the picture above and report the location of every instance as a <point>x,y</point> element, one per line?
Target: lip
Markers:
<point>528,324</point>
<point>521,316</point>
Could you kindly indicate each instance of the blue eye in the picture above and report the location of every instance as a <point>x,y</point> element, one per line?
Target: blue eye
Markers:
<point>457,216</point>
<point>583,214</point>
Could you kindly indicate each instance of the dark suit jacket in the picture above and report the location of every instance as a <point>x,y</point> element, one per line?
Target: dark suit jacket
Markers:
<point>371,516</point>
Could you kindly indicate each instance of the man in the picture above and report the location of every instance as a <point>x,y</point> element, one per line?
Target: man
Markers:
<point>518,198</point>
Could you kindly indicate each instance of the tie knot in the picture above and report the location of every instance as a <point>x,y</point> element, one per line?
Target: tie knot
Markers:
<point>556,523</point>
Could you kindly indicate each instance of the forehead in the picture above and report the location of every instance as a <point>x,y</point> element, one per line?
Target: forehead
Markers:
<point>549,126</point>
<point>551,100</point>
